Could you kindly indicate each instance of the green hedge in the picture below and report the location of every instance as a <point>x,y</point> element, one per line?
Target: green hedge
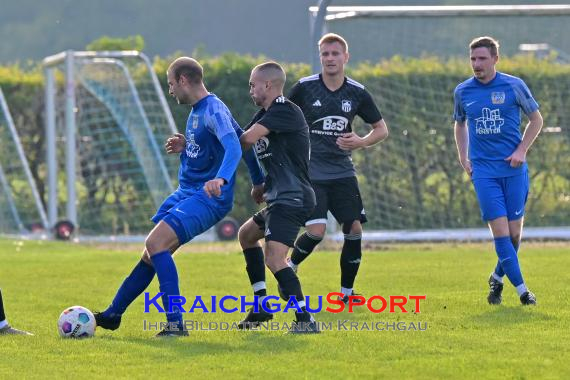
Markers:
<point>412,180</point>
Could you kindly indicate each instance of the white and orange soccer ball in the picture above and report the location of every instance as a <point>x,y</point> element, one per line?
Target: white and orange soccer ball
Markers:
<point>76,322</point>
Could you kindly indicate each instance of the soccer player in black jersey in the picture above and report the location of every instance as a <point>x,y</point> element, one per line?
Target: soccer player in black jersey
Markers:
<point>5,328</point>
<point>281,138</point>
<point>330,101</point>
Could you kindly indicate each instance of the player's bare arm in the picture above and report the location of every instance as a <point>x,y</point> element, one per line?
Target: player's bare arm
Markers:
<point>462,143</point>
<point>351,141</point>
<point>251,136</point>
<point>530,133</point>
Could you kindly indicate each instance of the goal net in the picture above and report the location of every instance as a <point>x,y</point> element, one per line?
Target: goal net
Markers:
<point>21,211</point>
<point>111,106</point>
<point>412,184</point>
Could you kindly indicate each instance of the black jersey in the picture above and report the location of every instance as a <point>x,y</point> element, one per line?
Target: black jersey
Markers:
<point>330,115</point>
<point>284,154</point>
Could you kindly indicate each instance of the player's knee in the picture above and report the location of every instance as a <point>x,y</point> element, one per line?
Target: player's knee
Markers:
<point>241,235</point>
<point>154,245</point>
<point>317,230</point>
<point>270,263</point>
<point>274,263</point>
<point>245,236</point>
<point>275,260</point>
<point>499,227</point>
<point>516,239</point>
<point>354,227</point>
<point>146,258</point>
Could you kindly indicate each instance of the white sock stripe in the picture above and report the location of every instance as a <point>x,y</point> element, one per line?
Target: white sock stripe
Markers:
<point>521,289</point>
<point>302,304</point>
<point>496,277</point>
<point>260,285</point>
<point>352,236</point>
<point>313,237</point>
<point>315,221</point>
<point>291,264</point>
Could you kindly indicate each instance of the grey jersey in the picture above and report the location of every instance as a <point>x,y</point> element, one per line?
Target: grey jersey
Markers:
<point>330,115</point>
<point>284,154</point>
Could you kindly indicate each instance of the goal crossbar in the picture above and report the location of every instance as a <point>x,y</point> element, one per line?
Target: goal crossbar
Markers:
<point>342,12</point>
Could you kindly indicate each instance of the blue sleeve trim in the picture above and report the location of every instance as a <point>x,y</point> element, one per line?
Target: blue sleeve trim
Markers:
<point>524,97</point>
<point>218,120</point>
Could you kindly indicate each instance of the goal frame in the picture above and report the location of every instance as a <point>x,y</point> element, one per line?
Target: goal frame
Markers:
<point>323,13</point>
<point>68,58</point>
<point>15,139</point>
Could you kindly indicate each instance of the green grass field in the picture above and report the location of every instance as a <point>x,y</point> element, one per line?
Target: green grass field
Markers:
<point>465,338</point>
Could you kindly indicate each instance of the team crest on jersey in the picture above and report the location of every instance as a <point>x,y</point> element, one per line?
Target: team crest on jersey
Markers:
<point>195,121</point>
<point>261,145</point>
<point>498,97</point>
<point>346,105</point>
<point>192,149</point>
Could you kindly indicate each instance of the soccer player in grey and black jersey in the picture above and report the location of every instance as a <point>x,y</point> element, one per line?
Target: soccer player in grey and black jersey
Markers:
<point>281,138</point>
<point>330,101</point>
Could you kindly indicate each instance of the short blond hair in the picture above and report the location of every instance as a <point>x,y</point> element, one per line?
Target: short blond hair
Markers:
<point>330,38</point>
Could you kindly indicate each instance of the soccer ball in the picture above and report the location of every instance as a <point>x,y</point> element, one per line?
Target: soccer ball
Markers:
<point>76,322</point>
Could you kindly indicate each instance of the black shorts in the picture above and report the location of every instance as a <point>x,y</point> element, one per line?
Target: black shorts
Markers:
<point>340,196</point>
<point>281,223</point>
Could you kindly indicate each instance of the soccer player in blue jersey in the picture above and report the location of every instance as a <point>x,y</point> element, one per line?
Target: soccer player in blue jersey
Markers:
<point>209,154</point>
<point>5,328</point>
<point>493,153</point>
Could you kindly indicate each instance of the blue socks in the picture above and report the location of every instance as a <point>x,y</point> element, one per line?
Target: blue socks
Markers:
<point>130,289</point>
<point>168,279</point>
<point>508,259</point>
<point>499,269</point>
<point>138,281</point>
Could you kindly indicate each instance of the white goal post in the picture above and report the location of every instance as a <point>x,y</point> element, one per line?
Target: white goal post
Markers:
<point>20,205</point>
<point>112,87</point>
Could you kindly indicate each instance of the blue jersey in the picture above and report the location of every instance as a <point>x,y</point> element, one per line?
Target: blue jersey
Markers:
<point>208,123</point>
<point>493,114</point>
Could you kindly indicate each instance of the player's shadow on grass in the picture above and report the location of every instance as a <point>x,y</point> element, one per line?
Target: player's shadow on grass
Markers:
<point>183,346</point>
<point>192,346</point>
<point>510,315</point>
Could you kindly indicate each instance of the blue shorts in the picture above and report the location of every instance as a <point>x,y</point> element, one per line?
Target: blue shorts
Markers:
<point>191,213</point>
<point>505,196</point>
